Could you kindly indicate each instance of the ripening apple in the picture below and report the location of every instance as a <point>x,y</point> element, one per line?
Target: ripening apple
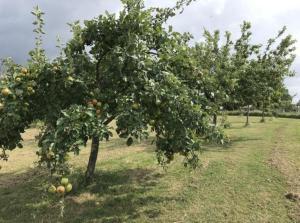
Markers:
<point>98,112</point>
<point>1,106</point>
<point>5,92</point>
<point>61,189</point>
<point>30,90</point>
<point>64,181</point>
<point>24,70</point>
<point>94,102</point>
<point>18,79</point>
<point>50,155</point>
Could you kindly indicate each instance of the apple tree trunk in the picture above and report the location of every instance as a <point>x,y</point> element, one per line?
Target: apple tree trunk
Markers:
<point>215,118</point>
<point>248,112</point>
<point>263,115</point>
<point>89,174</point>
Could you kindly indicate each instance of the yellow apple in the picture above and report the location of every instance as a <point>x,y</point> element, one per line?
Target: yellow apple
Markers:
<point>24,70</point>
<point>5,92</point>
<point>30,90</point>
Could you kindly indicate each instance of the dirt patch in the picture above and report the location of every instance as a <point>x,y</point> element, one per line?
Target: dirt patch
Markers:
<point>30,134</point>
<point>84,197</point>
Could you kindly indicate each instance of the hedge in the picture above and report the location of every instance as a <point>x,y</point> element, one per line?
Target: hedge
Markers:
<point>294,115</point>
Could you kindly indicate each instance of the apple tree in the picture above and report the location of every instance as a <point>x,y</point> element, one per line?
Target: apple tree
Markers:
<point>216,79</point>
<point>116,67</point>
<point>273,65</point>
<point>244,63</point>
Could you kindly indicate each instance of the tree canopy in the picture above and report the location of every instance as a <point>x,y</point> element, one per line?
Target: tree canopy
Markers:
<point>130,68</point>
<point>134,69</point>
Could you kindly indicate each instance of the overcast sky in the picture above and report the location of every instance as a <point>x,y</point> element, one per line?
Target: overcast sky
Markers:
<point>266,16</point>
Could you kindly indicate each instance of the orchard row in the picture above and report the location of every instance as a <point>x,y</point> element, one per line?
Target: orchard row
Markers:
<point>132,68</point>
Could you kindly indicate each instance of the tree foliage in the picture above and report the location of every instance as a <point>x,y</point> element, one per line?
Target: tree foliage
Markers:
<point>133,69</point>
<point>127,67</point>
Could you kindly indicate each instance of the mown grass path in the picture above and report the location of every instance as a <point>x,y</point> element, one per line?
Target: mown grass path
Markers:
<point>245,182</point>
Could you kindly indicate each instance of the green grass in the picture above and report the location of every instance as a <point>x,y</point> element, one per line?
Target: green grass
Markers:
<point>245,182</point>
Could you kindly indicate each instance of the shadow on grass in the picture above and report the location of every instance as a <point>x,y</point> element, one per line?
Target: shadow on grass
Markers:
<point>237,127</point>
<point>243,139</point>
<point>211,147</point>
<point>114,196</point>
<point>116,143</point>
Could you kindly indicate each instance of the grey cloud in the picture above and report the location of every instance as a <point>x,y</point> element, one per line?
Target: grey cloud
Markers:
<point>16,37</point>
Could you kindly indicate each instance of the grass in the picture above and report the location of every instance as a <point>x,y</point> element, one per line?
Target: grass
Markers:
<point>245,182</point>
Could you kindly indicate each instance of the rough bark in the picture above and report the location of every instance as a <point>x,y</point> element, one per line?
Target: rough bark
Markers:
<point>89,174</point>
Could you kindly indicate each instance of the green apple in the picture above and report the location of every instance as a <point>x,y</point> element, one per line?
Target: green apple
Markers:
<point>69,187</point>
<point>152,122</point>
<point>52,189</point>
<point>67,157</point>
<point>136,106</point>
<point>64,181</point>
<point>70,78</point>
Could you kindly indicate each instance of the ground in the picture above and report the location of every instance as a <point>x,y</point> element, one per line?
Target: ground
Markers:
<point>244,182</point>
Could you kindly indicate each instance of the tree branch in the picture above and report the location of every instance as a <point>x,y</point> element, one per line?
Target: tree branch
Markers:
<point>109,120</point>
